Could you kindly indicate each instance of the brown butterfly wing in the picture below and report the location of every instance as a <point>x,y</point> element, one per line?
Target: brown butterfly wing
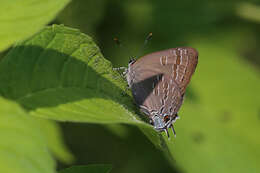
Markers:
<point>179,62</point>
<point>159,80</point>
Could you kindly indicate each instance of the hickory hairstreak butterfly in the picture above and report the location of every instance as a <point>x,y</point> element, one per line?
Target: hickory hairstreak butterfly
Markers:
<point>158,82</point>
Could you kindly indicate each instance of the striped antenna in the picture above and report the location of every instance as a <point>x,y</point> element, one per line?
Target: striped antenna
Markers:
<point>119,43</point>
<point>147,39</point>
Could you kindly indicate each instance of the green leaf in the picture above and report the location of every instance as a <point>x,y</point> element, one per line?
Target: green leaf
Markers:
<point>61,74</point>
<point>22,145</point>
<point>88,169</point>
<point>53,135</point>
<point>21,19</point>
<point>248,11</point>
<point>220,132</point>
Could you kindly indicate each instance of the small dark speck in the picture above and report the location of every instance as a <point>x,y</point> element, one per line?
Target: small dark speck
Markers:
<point>198,137</point>
<point>123,94</point>
<point>191,94</point>
<point>225,116</point>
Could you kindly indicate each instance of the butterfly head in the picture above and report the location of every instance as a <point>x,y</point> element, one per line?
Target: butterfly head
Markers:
<point>131,60</point>
<point>161,122</point>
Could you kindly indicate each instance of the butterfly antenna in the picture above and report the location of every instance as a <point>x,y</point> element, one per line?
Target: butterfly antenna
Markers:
<point>147,39</point>
<point>119,43</point>
<point>116,40</point>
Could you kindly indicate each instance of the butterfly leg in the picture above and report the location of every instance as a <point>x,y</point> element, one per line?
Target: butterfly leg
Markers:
<point>119,69</point>
<point>166,131</point>
<point>173,131</point>
<point>122,74</point>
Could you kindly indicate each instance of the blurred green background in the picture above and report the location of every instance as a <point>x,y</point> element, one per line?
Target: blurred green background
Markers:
<point>219,129</point>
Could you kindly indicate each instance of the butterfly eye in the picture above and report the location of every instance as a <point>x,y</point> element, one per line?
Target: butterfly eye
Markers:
<point>166,118</point>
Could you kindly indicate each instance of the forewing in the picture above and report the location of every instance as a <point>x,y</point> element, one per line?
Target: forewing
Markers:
<point>154,88</point>
<point>177,63</point>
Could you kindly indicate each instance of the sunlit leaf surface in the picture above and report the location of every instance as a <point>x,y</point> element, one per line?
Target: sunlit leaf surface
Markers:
<point>21,19</point>
<point>23,149</point>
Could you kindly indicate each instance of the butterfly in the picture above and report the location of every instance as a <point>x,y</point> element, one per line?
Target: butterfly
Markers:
<point>158,82</point>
